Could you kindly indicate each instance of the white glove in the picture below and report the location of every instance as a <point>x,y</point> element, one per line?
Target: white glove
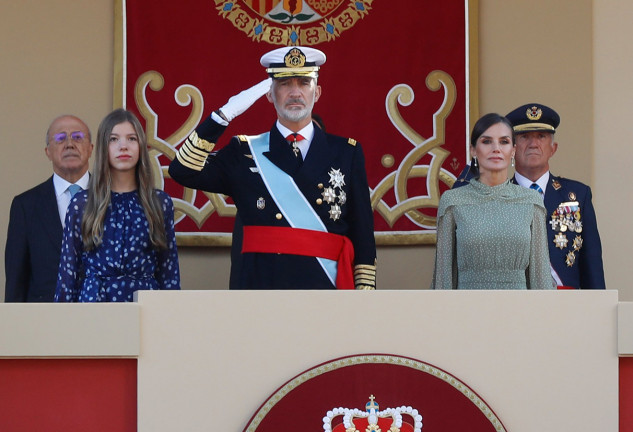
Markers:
<point>242,101</point>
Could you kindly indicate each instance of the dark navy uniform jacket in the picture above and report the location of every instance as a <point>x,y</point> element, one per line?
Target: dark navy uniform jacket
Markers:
<point>232,171</point>
<point>586,272</point>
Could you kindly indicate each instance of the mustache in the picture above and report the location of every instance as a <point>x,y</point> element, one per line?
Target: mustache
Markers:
<point>295,101</point>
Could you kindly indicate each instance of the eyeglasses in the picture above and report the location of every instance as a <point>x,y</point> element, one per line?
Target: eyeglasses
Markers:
<point>77,137</point>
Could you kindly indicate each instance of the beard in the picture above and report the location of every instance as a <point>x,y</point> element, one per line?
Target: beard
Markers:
<point>294,115</point>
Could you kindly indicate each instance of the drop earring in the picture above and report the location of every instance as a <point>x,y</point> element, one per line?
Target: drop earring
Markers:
<point>475,161</point>
<point>512,161</point>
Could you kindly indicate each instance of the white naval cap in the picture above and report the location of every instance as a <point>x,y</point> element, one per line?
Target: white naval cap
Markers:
<point>293,61</point>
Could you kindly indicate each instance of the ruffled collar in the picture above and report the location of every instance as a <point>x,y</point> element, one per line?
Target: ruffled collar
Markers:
<point>504,189</point>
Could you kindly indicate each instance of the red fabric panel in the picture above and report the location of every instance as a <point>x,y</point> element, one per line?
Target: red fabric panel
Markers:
<point>394,44</point>
<point>68,395</point>
<point>626,394</point>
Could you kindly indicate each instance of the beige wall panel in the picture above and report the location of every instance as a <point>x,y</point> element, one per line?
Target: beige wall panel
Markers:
<point>613,151</point>
<point>69,330</point>
<point>541,360</point>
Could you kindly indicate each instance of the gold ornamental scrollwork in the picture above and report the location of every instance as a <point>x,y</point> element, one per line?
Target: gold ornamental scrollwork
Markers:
<point>406,205</point>
<point>185,95</point>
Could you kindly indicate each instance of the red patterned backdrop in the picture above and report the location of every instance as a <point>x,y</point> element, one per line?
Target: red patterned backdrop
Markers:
<point>396,80</point>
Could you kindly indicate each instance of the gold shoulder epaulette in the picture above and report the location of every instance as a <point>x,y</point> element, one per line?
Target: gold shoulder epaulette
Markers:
<point>351,141</point>
<point>242,138</point>
<point>365,277</point>
<point>194,152</point>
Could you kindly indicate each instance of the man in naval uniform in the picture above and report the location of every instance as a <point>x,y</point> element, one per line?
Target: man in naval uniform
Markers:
<point>302,194</point>
<point>574,243</point>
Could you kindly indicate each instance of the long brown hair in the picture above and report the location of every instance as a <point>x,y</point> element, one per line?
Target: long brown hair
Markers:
<point>101,185</point>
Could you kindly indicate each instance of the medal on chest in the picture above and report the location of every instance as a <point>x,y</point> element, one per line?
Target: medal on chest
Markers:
<point>334,194</point>
<point>567,219</point>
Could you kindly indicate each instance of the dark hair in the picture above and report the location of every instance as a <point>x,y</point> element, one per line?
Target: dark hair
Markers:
<point>481,126</point>
<point>485,122</point>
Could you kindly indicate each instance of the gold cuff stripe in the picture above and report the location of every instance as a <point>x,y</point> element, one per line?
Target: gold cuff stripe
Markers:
<point>364,272</point>
<point>186,157</point>
<point>365,277</point>
<point>194,156</point>
<point>194,152</point>
<point>365,280</point>
<point>204,145</point>
<point>200,143</point>
<point>187,164</point>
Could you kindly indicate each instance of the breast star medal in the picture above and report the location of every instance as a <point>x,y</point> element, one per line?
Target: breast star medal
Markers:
<point>560,240</point>
<point>337,181</point>
<point>571,259</point>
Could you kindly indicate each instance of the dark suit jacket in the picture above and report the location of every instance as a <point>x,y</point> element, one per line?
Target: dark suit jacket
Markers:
<point>34,238</point>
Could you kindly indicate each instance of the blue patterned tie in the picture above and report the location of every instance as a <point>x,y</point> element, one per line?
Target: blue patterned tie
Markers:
<point>73,189</point>
<point>536,188</point>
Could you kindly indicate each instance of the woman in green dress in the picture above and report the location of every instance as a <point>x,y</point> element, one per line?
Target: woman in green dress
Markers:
<point>491,233</point>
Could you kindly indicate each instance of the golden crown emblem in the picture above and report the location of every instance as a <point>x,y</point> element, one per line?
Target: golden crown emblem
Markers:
<point>372,419</point>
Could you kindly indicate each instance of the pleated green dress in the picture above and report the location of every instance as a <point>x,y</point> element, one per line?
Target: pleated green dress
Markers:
<point>491,238</point>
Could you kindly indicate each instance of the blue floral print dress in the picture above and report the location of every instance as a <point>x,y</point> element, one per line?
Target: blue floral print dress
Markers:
<point>125,261</point>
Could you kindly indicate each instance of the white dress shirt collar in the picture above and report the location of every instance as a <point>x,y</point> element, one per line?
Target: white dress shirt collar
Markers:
<point>63,195</point>
<point>307,133</point>
<point>526,182</point>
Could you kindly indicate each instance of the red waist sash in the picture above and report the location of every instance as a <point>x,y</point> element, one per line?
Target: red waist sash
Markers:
<point>299,241</point>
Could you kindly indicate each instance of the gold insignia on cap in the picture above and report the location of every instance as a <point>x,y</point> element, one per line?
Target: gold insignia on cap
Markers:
<point>295,58</point>
<point>534,113</point>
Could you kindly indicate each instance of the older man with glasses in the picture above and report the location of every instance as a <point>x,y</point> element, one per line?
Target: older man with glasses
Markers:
<point>34,236</point>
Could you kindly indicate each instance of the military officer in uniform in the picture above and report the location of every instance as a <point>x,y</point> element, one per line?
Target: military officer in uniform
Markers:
<point>302,194</point>
<point>574,243</point>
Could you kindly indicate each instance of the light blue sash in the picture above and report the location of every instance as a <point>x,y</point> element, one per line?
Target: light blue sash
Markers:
<point>284,191</point>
